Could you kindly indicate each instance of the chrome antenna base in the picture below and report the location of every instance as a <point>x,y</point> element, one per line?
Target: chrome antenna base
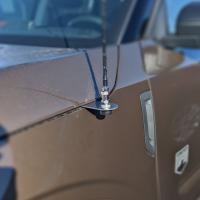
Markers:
<point>103,107</point>
<point>99,108</point>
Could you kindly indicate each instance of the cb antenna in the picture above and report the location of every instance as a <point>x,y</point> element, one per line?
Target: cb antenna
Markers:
<point>105,92</point>
<point>104,106</point>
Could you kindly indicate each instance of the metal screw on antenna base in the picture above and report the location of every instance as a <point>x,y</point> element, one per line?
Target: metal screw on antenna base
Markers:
<point>105,102</point>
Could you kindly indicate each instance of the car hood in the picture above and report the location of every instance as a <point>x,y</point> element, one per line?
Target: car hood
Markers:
<point>39,83</point>
<point>34,84</point>
<point>12,55</point>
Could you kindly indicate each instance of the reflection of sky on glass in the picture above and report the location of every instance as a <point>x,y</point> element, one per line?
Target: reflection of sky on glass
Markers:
<point>174,7</point>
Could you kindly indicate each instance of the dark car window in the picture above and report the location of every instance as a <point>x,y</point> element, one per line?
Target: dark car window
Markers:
<point>67,23</point>
<point>139,20</point>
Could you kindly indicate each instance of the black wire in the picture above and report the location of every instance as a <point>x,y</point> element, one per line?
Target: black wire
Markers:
<point>117,70</point>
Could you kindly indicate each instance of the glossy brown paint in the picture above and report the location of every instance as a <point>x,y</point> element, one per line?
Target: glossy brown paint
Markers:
<point>64,151</point>
<point>55,85</point>
<point>58,150</point>
<point>80,157</point>
<point>175,90</point>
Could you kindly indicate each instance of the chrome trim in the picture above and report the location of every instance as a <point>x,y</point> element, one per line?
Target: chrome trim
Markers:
<point>148,120</point>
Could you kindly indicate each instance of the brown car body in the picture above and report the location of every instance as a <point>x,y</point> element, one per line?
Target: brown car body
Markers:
<point>53,148</point>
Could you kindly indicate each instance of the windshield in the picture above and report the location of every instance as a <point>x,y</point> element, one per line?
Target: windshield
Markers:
<point>61,23</point>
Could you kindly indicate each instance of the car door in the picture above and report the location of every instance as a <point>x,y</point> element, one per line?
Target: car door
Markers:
<point>175,85</point>
<point>176,105</point>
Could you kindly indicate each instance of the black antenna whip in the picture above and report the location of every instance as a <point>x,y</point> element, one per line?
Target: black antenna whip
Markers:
<point>105,106</point>
<point>105,102</point>
<point>104,42</point>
